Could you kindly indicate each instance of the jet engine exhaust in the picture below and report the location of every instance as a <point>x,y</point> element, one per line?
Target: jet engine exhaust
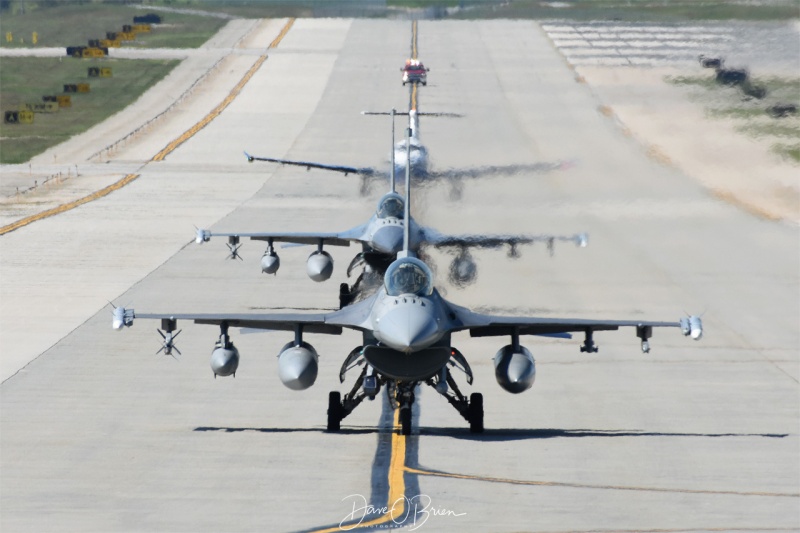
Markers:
<point>515,370</point>
<point>297,365</point>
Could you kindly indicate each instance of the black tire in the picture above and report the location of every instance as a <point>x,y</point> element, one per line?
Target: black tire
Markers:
<point>476,412</point>
<point>334,411</point>
<point>405,420</point>
<point>345,296</point>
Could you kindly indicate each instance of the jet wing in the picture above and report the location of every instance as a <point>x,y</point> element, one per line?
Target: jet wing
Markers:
<point>330,239</point>
<point>481,325</point>
<point>438,240</point>
<point>343,238</point>
<point>310,323</point>
<point>494,326</point>
<point>366,171</point>
<point>355,317</point>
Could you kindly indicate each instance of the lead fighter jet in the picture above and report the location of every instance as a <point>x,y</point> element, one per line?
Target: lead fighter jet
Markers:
<point>407,329</point>
<point>381,238</point>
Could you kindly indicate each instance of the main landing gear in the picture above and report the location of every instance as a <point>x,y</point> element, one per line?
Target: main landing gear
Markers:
<point>401,393</point>
<point>367,385</point>
<point>443,383</point>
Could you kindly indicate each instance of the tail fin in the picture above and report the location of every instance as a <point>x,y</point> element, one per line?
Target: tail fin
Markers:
<point>407,215</point>
<point>413,123</point>
<point>392,150</point>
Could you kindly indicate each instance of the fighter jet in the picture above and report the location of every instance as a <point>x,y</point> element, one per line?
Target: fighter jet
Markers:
<point>418,156</point>
<point>381,238</point>
<point>407,340</point>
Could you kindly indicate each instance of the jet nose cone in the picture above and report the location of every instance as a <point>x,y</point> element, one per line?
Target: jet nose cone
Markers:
<point>388,239</point>
<point>408,327</point>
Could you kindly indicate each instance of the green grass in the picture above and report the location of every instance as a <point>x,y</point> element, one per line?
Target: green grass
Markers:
<point>424,3</point>
<point>776,128</point>
<point>624,10</point>
<point>750,116</point>
<point>28,79</point>
<point>788,151</point>
<point>743,113</point>
<point>706,82</point>
<point>75,24</point>
<point>24,80</point>
<point>638,10</point>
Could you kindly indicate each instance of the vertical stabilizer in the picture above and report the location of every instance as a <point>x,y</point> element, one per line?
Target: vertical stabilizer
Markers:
<point>413,123</point>
<point>407,215</point>
<point>393,167</point>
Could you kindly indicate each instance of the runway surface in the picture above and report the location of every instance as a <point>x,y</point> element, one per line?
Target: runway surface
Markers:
<point>99,434</point>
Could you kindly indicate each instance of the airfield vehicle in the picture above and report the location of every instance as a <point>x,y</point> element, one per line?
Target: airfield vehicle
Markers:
<point>415,72</point>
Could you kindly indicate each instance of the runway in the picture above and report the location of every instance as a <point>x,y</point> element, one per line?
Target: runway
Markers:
<point>99,434</point>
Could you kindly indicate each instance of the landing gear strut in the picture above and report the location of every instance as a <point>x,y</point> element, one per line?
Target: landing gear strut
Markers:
<point>401,394</point>
<point>471,410</point>
<point>366,386</point>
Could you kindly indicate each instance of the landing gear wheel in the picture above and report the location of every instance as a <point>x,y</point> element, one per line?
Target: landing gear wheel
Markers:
<point>476,412</point>
<point>405,420</point>
<point>334,411</point>
<point>345,296</point>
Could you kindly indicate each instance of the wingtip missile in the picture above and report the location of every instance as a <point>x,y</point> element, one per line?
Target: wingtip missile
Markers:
<point>122,317</point>
<point>202,235</point>
<point>692,326</point>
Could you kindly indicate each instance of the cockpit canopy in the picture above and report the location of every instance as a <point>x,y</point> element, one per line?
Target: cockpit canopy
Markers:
<point>391,205</point>
<point>408,275</point>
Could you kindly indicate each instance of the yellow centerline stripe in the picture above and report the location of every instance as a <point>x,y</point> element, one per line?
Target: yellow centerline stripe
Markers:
<point>414,40</point>
<point>66,207</point>
<point>396,500</point>
<point>588,486</point>
<point>397,484</point>
<point>160,155</point>
<point>414,97</point>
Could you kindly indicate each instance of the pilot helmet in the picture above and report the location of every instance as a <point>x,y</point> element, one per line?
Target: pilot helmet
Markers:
<point>391,205</point>
<point>408,275</point>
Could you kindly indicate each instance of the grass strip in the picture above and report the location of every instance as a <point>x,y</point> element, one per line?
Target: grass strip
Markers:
<point>27,79</point>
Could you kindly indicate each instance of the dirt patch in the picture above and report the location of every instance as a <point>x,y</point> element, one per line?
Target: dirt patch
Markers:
<point>676,130</point>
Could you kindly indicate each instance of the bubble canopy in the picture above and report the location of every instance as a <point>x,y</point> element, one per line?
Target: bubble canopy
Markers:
<point>391,205</point>
<point>408,275</point>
